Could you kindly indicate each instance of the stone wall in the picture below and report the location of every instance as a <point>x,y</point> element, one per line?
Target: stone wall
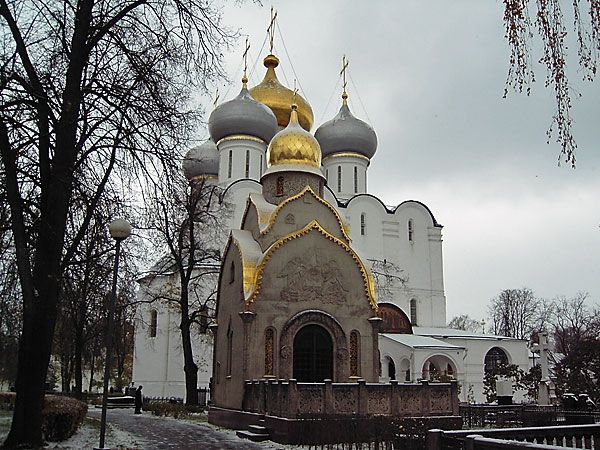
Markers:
<point>290,399</point>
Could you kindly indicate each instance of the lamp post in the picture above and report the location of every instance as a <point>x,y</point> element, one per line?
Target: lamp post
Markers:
<point>119,230</point>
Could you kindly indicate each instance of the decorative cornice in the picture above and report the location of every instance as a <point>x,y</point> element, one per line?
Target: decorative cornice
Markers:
<point>314,225</point>
<point>240,138</point>
<point>307,189</point>
<point>347,154</point>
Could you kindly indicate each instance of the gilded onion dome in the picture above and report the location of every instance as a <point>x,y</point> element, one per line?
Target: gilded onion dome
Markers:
<point>294,145</point>
<point>201,161</point>
<point>242,116</point>
<point>279,98</point>
<point>346,134</point>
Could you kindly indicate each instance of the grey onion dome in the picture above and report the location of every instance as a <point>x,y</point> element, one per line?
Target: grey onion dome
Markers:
<point>346,134</point>
<point>242,116</point>
<point>201,161</point>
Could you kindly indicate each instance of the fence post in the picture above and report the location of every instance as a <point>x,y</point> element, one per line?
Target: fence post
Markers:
<point>470,441</point>
<point>433,439</point>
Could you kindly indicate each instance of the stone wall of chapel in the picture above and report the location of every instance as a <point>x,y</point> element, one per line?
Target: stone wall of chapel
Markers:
<point>293,184</point>
<point>299,213</point>
<point>251,222</point>
<point>228,384</point>
<point>285,292</point>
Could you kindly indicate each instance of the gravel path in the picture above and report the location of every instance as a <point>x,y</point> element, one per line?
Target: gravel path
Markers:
<point>165,433</point>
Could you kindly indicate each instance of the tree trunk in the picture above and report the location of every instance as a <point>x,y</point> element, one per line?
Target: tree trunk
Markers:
<point>189,366</point>
<point>34,356</point>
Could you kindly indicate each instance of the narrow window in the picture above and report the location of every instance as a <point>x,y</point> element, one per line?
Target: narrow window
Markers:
<point>413,311</point>
<point>363,224</point>
<point>269,346</point>
<point>229,164</point>
<point>411,233</point>
<point>229,349</point>
<point>354,354</point>
<point>279,186</point>
<point>339,183</point>
<point>327,175</point>
<point>232,272</point>
<point>247,163</point>
<point>153,322</point>
<point>355,179</point>
<point>261,165</point>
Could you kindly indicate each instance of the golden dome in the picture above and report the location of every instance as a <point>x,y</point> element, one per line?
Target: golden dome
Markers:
<point>294,145</point>
<point>279,98</point>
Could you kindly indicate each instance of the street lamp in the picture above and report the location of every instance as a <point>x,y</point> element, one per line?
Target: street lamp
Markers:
<point>119,230</point>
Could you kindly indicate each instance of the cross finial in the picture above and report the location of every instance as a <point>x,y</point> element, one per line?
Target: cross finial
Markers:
<point>216,98</point>
<point>343,73</point>
<point>271,28</point>
<point>295,93</point>
<point>245,78</point>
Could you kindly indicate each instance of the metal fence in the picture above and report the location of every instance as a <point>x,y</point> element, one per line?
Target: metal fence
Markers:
<point>554,437</point>
<point>487,416</point>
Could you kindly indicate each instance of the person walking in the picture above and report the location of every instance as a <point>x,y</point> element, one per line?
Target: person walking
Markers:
<point>138,400</point>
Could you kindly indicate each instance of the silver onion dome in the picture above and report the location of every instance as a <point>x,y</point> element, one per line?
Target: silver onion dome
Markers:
<point>201,161</point>
<point>346,134</point>
<point>242,116</point>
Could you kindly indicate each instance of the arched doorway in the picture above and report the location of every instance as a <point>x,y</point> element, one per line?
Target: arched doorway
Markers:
<point>313,354</point>
<point>392,369</point>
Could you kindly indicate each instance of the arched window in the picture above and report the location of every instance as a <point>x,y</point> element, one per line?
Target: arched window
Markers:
<point>495,359</point>
<point>355,179</point>
<point>232,272</point>
<point>354,354</point>
<point>247,163</point>
<point>392,369</point>
<point>229,164</point>
<point>411,231</point>
<point>153,322</point>
<point>339,180</point>
<point>327,175</point>
<point>279,192</point>
<point>363,224</point>
<point>269,350</point>
<point>261,165</point>
<point>413,311</point>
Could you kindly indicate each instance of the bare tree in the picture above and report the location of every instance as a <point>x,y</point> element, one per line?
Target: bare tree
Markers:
<point>87,90</point>
<point>549,25</point>
<point>191,222</point>
<point>577,346</point>
<point>464,322</point>
<point>518,313</point>
<point>387,277</point>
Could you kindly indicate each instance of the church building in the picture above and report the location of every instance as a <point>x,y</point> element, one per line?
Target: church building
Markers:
<point>319,279</point>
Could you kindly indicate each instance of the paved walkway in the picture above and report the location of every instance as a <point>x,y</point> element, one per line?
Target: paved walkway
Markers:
<point>164,433</point>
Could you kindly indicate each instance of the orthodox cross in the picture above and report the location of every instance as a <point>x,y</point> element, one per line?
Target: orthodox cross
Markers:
<point>245,78</point>
<point>343,74</point>
<point>271,28</point>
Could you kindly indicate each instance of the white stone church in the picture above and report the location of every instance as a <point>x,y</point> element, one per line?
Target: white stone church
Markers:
<point>400,245</point>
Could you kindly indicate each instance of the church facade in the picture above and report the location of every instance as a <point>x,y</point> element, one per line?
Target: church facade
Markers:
<point>319,278</point>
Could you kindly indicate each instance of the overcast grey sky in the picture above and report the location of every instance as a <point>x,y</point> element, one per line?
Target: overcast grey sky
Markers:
<point>429,77</point>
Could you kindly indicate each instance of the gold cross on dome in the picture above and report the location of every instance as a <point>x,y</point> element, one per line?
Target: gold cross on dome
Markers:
<point>271,28</point>
<point>295,93</point>
<point>343,73</point>
<point>246,56</point>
